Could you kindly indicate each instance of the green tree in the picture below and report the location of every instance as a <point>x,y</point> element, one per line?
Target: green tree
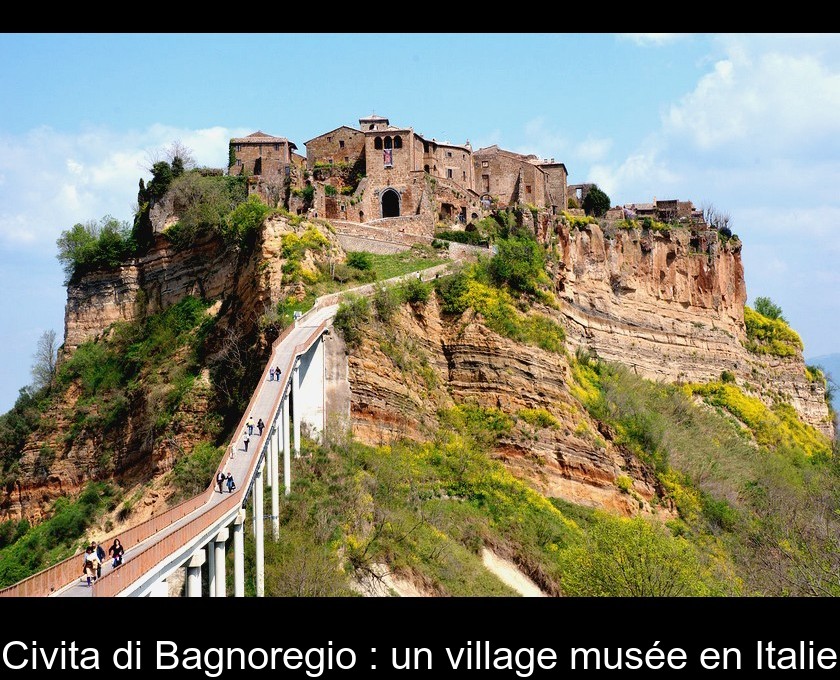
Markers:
<point>519,262</point>
<point>93,244</point>
<point>766,307</point>
<point>596,202</point>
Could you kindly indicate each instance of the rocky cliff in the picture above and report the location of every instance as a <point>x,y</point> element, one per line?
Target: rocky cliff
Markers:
<point>404,373</point>
<point>670,305</point>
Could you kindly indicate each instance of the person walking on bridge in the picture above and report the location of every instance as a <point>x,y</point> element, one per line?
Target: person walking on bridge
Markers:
<point>277,372</point>
<point>271,374</point>
<point>246,441</point>
<point>260,426</point>
<point>231,485</point>
<point>100,556</point>
<point>220,479</point>
<point>91,563</point>
<point>250,424</point>
<point>116,551</point>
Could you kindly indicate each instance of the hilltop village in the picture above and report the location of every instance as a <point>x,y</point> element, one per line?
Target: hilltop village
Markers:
<point>393,178</point>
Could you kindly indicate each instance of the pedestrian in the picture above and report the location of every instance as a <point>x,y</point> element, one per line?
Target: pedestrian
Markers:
<point>92,563</point>
<point>250,424</point>
<point>277,372</point>
<point>271,374</point>
<point>116,552</point>
<point>100,556</point>
<point>246,441</point>
<point>260,426</point>
<point>220,478</point>
<point>231,485</point>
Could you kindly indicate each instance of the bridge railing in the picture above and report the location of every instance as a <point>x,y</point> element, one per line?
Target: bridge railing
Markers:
<point>132,570</point>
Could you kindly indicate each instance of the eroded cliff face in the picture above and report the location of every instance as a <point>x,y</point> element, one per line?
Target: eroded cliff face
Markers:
<point>402,375</point>
<point>244,285</point>
<point>671,306</point>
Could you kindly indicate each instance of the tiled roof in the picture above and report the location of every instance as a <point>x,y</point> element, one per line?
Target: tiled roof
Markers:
<point>259,137</point>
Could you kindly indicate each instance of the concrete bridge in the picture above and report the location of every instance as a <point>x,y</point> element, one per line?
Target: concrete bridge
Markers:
<point>196,533</point>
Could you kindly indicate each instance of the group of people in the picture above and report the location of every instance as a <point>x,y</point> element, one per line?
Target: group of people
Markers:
<point>223,479</point>
<point>249,430</point>
<point>273,372</point>
<point>95,556</point>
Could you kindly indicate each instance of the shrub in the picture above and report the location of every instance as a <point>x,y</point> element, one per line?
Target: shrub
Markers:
<point>519,263</point>
<point>727,377</point>
<point>596,202</point>
<point>572,202</point>
<point>452,293</point>
<point>414,290</point>
<point>244,220</point>
<point>194,472</point>
<point>538,417</point>
<point>360,260</point>
<point>624,483</point>
<point>330,190</point>
<point>352,314</point>
<point>473,238</point>
<point>766,335</point>
<point>386,300</point>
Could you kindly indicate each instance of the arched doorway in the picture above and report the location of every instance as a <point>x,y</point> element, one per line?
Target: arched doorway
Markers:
<point>390,203</point>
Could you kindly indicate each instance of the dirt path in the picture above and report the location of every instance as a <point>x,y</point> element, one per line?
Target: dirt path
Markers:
<point>510,574</point>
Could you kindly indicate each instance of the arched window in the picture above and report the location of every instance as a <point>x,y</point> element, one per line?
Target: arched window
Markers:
<point>377,143</point>
<point>425,168</point>
<point>398,142</point>
<point>388,142</point>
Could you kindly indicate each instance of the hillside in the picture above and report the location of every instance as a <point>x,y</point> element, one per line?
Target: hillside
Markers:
<point>593,393</point>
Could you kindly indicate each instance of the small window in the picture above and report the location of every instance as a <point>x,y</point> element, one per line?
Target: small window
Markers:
<point>347,159</point>
<point>340,143</point>
<point>449,154</point>
<point>425,147</point>
<point>465,174</point>
<point>527,188</point>
<point>370,127</point>
<point>277,147</point>
<point>239,161</point>
<point>464,156</point>
<point>239,147</point>
<point>342,207</point>
<point>449,173</point>
<point>398,142</point>
<point>329,139</point>
<point>485,164</point>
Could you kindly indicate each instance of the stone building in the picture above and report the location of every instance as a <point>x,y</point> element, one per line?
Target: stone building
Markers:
<point>507,178</point>
<point>669,210</point>
<point>260,154</point>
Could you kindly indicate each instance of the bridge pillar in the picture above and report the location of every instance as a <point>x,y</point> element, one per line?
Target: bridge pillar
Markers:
<point>239,555</point>
<point>273,479</point>
<point>259,529</point>
<point>194,574</point>
<point>219,541</point>
<point>287,463</point>
<point>211,570</point>
<point>297,408</point>
<point>267,457</point>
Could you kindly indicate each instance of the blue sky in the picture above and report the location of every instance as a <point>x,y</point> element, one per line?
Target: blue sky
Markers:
<point>747,122</point>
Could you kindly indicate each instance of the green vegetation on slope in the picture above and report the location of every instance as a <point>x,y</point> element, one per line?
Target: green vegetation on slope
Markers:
<point>426,510</point>
<point>754,487</point>
<point>766,335</point>
<point>33,549</point>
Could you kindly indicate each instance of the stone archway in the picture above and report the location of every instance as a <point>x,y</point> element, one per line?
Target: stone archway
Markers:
<point>390,203</point>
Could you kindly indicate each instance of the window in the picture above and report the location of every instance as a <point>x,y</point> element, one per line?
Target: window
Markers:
<point>388,142</point>
<point>485,180</point>
<point>377,143</point>
<point>239,147</point>
<point>527,188</point>
<point>347,159</point>
<point>464,156</point>
<point>277,147</point>
<point>425,147</point>
<point>449,173</point>
<point>340,143</point>
<point>398,142</point>
<point>465,174</point>
<point>239,161</point>
<point>485,164</point>
<point>449,154</point>
<point>329,139</point>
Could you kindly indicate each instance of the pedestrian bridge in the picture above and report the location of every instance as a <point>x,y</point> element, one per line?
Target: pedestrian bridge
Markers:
<point>197,533</point>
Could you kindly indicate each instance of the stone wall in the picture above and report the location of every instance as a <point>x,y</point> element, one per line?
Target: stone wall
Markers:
<point>268,160</point>
<point>343,145</point>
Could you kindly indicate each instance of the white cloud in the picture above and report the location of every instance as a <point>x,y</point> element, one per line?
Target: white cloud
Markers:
<point>52,179</point>
<point>592,149</point>
<point>652,39</point>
